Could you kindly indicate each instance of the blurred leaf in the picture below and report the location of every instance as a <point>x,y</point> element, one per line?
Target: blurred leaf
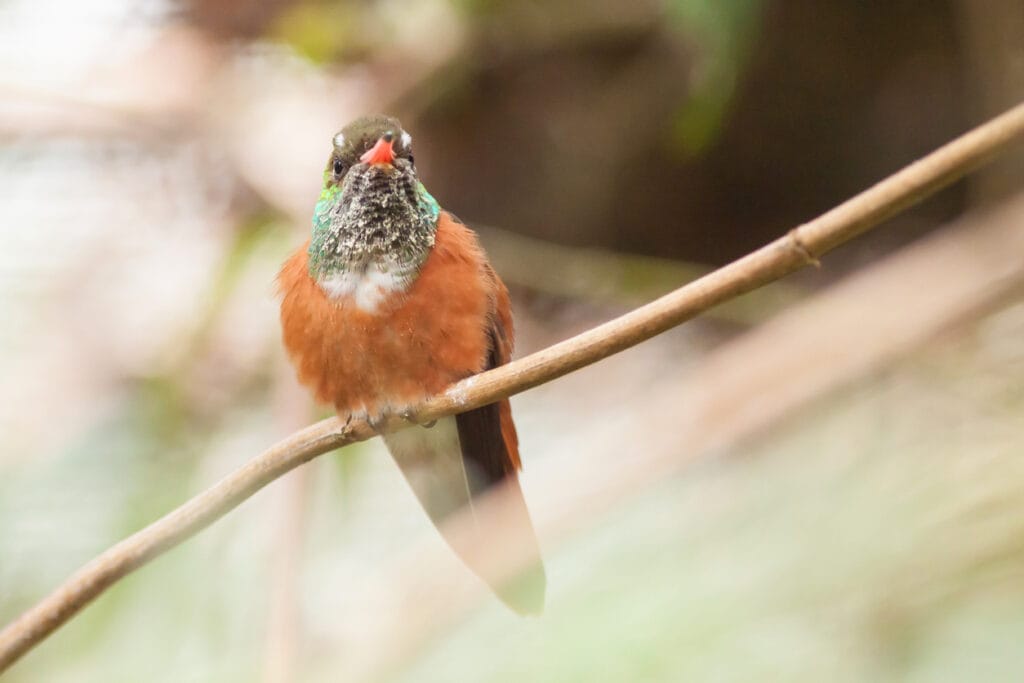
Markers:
<point>317,30</point>
<point>724,33</point>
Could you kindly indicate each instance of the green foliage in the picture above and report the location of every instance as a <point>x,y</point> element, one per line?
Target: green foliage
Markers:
<point>723,33</point>
<point>320,31</point>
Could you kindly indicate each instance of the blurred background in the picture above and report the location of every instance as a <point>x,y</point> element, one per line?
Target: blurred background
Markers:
<point>820,481</point>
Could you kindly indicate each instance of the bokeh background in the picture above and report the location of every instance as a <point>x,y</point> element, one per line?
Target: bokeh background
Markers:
<point>820,481</point>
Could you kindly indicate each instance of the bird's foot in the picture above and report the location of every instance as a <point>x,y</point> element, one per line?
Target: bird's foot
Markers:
<point>348,423</point>
<point>409,415</point>
<point>377,421</point>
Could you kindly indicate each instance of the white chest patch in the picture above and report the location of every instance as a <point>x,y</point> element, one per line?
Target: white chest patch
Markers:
<point>368,286</point>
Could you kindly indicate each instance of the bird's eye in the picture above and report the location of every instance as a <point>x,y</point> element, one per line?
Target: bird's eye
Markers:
<point>412,162</point>
<point>339,167</point>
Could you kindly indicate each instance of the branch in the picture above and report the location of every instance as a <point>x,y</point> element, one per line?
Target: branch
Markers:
<point>603,276</point>
<point>800,247</point>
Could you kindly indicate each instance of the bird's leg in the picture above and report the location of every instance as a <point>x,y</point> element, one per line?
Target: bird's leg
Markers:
<point>377,421</point>
<point>409,415</point>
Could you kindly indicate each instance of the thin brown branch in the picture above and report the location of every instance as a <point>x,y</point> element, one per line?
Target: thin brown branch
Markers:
<point>787,254</point>
<point>607,277</point>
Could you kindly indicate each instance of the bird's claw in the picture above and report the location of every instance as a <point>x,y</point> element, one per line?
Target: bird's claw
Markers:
<point>409,415</point>
<point>348,423</point>
<point>376,421</point>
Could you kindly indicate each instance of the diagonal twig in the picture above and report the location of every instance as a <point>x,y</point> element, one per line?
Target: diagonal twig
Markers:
<point>800,247</point>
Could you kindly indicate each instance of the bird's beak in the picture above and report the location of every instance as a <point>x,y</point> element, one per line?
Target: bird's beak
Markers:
<point>383,152</point>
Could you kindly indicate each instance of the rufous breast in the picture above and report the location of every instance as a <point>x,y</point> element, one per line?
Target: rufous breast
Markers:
<point>368,346</point>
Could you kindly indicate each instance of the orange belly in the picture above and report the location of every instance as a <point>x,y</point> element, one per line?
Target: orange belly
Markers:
<point>414,345</point>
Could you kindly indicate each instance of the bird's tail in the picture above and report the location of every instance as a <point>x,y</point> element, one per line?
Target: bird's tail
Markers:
<point>482,517</point>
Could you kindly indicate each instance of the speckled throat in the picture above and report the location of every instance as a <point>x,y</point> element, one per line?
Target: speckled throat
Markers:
<point>378,216</point>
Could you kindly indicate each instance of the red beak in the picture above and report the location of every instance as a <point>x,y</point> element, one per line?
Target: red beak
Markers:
<point>383,152</point>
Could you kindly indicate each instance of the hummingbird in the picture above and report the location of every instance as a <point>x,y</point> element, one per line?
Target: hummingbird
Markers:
<point>391,301</point>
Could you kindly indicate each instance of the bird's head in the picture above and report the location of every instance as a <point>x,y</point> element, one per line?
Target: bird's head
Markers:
<point>372,206</point>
